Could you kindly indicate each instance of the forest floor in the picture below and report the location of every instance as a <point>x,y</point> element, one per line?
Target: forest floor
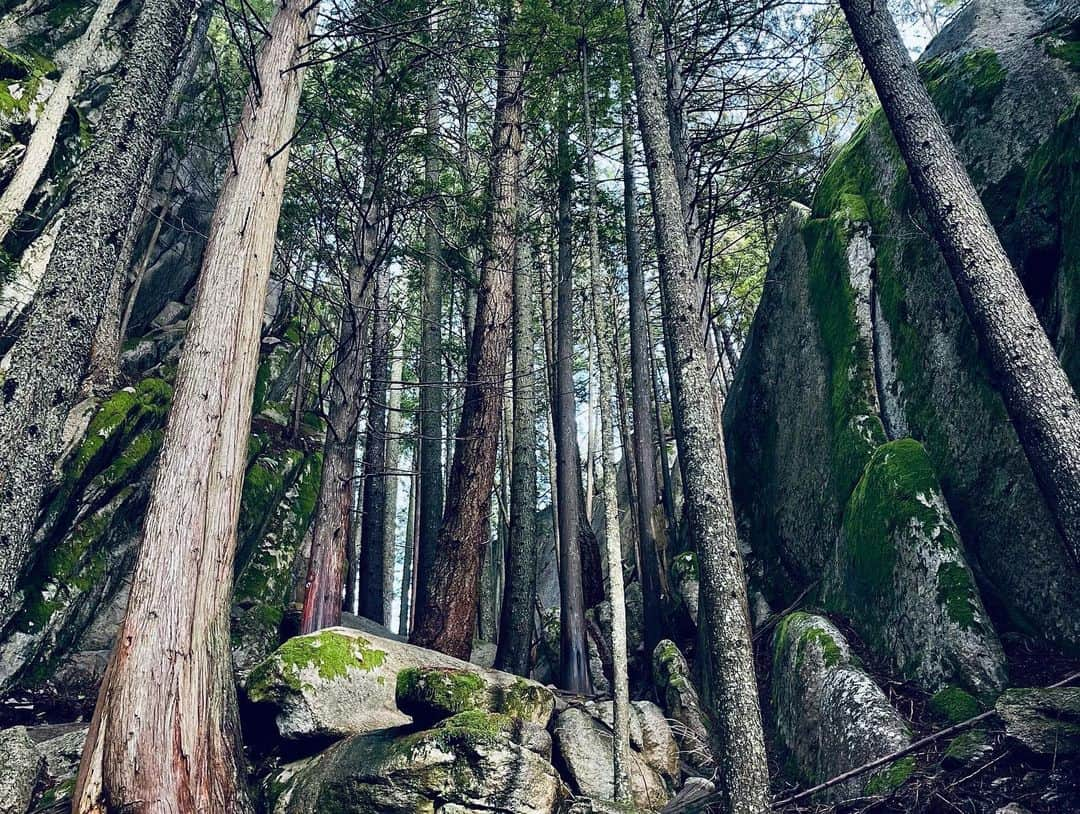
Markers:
<point>1004,773</point>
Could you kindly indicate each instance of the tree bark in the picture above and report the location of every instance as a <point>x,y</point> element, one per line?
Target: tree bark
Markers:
<point>409,562</point>
<point>373,519</point>
<point>50,356</point>
<point>612,545</point>
<point>43,139</point>
<point>573,645</point>
<point>164,735</point>
<point>393,460</point>
<point>332,530</point>
<point>649,514</point>
<point>1033,385</point>
<point>725,647</point>
<point>432,398</point>
<point>516,629</point>
<point>447,608</point>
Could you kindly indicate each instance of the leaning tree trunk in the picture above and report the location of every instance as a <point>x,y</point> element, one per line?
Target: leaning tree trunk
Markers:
<point>50,356</point>
<point>573,645</point>
<point>726,651</point>
<point>431,369</point>
<point>43,139</point>
<point>332,530</point>
<point>447,608</point>
<point>516,628</point>
<point>650,515</point>
<point>612,545</point>
<point>1036,391</point>
<point>165,734</point>
<point>373,519</point>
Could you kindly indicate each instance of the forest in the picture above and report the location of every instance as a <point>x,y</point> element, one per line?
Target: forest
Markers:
<point>539,406</point>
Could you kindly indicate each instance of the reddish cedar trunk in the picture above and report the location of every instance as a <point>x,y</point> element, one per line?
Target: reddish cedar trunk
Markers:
<point>446,612</point>
<point>725,650</point>
<point>164,735</point>
<point>1036,391</point>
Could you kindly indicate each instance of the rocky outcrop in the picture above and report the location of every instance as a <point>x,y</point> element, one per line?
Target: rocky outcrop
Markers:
<point>830,715</point>
<point>671,675</point>
<point>899,574</point>
<point>22,766</point>
<point>1047,722</point>
<point>585,746</point>
<point>469,762</point>
<point>340,682</point>
<point>861,339</point>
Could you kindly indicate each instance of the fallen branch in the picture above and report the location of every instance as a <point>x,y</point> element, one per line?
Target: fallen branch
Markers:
<point>899,753</point>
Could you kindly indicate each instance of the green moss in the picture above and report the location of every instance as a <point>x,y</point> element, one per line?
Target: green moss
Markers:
<point>432,692</point>
<point>810,635</point>
<point>953,705</point>
<point>526,700</point>
<point>894,491</point>
<point>892,777</point>
<point>965,747</point>
<point>856,428</point>
<point>685,566</point>
<point>966,84</point>
<point>333,655</point>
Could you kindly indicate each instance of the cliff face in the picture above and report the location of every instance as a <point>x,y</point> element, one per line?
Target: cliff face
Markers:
<point>861,342</point>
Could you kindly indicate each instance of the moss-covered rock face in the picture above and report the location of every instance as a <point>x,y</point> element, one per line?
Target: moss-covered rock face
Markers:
<point>431,694</point>
<point>860,336</point>
<point>469,760</point>
<point>899,575</point>
<point>681,703</point>
<point>830,716</point>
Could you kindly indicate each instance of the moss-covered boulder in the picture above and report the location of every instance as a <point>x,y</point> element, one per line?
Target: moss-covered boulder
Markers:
<point>469,762</point>
<point>899,575</point>
<point>584,746</point>
<point>830,715</point>
<point>1047,722</point>
<point>430,694</point>
<point>861,337</point>
<point>340,682</point>
<point>679,696</point>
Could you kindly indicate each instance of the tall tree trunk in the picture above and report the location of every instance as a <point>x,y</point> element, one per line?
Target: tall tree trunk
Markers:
<point>725,646</point>
<point>573,645</point>
<point>650,517</point>
<point>546,312</point>
<point>165,735</point>
<point>373,519</point>
<point>50,356</point>
<point>1037,394</point>
<point>447,608</point>
<point>43,139</point>
<point>612,545</point>
<point>516,629</point>
<point>393,460</point>
<point>332,531</point>
<point>411,545</point>
<point>431,369</point>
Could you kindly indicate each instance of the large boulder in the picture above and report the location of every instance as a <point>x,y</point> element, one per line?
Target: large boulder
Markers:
<point>469,762</point>
<point>899,575</point>
<point>340,682</point>
<point>21,765</point>
<point>830,715</point>
<point>585,746</point>
<point>650,734</point>
<point>861,337</point>
<point>671,675</point>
